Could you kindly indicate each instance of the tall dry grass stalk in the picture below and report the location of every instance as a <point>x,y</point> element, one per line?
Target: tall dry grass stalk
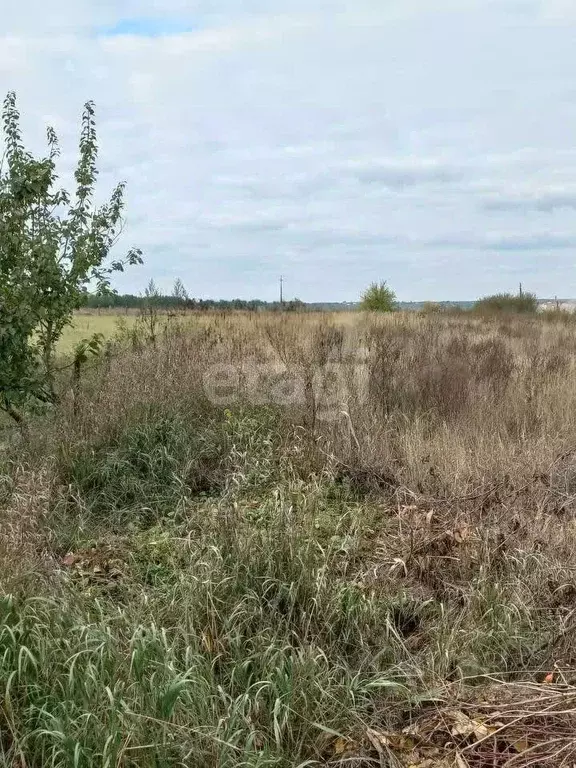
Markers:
<point>469,397</point>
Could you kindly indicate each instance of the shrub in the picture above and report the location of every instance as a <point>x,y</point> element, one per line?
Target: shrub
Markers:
<point>526,303</point>
<point>379,297</point>
<point>432,308</point>
<point>558,315</point>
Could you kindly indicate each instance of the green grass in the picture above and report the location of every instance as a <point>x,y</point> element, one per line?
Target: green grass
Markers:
<point>208,607</point>
<point>85,326</point>
<point>207,630</point>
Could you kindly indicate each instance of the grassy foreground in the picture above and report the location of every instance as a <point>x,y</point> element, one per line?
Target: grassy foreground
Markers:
<point>297,541</point>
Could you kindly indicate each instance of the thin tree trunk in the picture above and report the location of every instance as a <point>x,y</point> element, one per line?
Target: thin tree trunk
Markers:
<point>14,413</point>
<point>47,356</point>
<point>17,416</point>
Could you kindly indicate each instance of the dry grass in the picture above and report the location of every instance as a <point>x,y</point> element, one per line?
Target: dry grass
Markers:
<point>347,539</point>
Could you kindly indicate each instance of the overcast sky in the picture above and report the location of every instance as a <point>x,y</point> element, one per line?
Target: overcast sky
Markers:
<point>338,142</point>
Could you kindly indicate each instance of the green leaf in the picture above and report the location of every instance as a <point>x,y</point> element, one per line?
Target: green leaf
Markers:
<point>53,245</point>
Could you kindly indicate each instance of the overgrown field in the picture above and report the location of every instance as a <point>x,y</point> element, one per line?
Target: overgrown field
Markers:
<point>297,540</point>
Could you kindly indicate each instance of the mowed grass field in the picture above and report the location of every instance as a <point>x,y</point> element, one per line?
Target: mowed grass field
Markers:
<point>86,325</point>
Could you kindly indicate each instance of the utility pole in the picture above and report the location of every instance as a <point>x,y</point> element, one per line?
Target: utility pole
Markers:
<point>281,292</point>
<point>521,294</point>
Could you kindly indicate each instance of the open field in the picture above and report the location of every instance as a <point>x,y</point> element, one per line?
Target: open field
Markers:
<point>297,540</point>
<point>87,324</point>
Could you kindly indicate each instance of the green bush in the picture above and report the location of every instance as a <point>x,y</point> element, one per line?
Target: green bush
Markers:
<point>499,303</point>
<point>378,297</point>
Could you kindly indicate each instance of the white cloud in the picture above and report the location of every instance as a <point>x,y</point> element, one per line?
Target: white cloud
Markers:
<point>336,141</point>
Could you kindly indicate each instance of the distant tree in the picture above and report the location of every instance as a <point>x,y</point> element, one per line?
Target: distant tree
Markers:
<point>500,303</point>
<point>53,244</point>
<point>163,302</point>
<point>179,292</point>
<point>295,305</point>
<point>378,297</point>
<point>432,308</point>
<point>149,316</point>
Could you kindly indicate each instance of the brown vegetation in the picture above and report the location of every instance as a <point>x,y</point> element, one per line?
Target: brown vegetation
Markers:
<point>401,491</point>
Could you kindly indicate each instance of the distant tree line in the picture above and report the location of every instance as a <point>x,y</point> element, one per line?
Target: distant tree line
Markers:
<point>184,302</point>
<point>377,298</point>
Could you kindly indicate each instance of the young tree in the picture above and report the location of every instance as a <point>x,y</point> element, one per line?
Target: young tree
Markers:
<point>378,297</point>
<point>150,311</point>
<point>295,305</point>
<point>180,294</point>
<point>53,245</point>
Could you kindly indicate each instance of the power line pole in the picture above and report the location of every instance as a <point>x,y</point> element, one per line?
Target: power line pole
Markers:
<point>281,292</point>
<point>521,294</point>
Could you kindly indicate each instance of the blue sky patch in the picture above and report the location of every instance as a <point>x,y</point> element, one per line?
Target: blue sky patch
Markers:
<point>146,27</point>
